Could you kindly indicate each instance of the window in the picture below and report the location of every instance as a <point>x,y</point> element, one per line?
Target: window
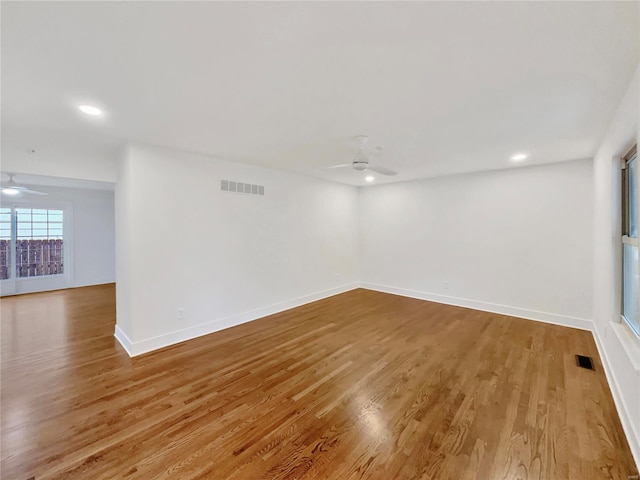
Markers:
<point>5,243</point>
<point>38,238</point>
<point>630,261</point>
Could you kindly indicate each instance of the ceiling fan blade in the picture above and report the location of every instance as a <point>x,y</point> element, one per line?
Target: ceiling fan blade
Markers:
<point>382,170</point>
<point>22,189</point>
<point>361,140</point>
<point>32,192</point>
<point>13,185</point>
<point>342,165</point>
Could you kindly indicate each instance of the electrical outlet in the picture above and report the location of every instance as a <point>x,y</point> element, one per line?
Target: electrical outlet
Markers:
<point>445,285</point>
<point>181,314</point>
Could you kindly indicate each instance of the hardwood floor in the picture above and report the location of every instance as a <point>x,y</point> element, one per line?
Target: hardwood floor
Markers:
<point>360,385</point>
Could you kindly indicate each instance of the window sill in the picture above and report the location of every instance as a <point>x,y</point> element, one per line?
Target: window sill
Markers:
<point>630,342</point>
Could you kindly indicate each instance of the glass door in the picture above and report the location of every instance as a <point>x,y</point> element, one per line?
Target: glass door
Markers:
<point>7,266</point>
<point>33,252</point>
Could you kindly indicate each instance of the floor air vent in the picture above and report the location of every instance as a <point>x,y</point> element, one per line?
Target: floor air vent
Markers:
<point>585,362</point>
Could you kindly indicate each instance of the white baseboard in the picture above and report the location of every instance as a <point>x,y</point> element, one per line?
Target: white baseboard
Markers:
<point>52,289</point>
<point>632,432</point>
<point>124,340</point>
<point>94,283</point>
<point>155,343</point>
<point>565,321</point>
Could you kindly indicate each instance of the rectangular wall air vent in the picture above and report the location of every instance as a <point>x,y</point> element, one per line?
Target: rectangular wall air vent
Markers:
<point>240,187</point>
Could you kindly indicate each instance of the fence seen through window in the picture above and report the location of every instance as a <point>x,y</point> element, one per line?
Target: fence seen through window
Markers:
<point>39,244</point>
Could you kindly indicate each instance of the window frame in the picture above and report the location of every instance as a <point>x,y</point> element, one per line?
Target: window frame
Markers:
<point>16,237</point>
<point>626,239</point>
<point>42,283</point>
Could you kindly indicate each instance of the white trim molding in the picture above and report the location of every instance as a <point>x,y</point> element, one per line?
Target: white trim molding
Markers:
<point>150,344</point>
<point>564,320</point>
<point>618,386</point>
<point>124,340</point>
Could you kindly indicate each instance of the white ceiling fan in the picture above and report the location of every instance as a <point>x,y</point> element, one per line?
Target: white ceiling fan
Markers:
<point>12,188</point>
<point>361,160</point>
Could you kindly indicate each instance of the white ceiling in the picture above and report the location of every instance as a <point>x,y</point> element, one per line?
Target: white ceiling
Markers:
<point>444,87</point>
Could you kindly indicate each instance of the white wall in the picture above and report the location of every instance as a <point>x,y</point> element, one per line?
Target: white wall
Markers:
<point>92,230</point>
<point>124,247</point>
<point>94,234</point>
<point>222,257</point>
<point>516,241</point>
<point>58,154</point>
<point>618,346</point>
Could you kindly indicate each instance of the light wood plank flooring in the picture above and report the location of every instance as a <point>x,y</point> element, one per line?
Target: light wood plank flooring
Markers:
<point>360,385</point>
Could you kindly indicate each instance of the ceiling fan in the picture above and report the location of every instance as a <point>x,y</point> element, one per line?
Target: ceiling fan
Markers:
<point>12,188</point>
<point>361,160</point>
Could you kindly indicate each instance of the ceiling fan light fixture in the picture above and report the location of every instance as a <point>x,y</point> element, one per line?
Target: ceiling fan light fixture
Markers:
<point>12,188</point>
<point>360,166</point>
<point>90,110</point>
<point>360,162</point>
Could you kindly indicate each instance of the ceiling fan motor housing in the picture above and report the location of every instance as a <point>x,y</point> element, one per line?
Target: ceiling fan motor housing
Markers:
<point>360,165</point>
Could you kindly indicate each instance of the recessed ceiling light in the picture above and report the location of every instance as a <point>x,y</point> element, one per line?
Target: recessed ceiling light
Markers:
<point>369,178</point>
<point>10,191</point>
<point>89,110</point>
<point>518,157</point>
